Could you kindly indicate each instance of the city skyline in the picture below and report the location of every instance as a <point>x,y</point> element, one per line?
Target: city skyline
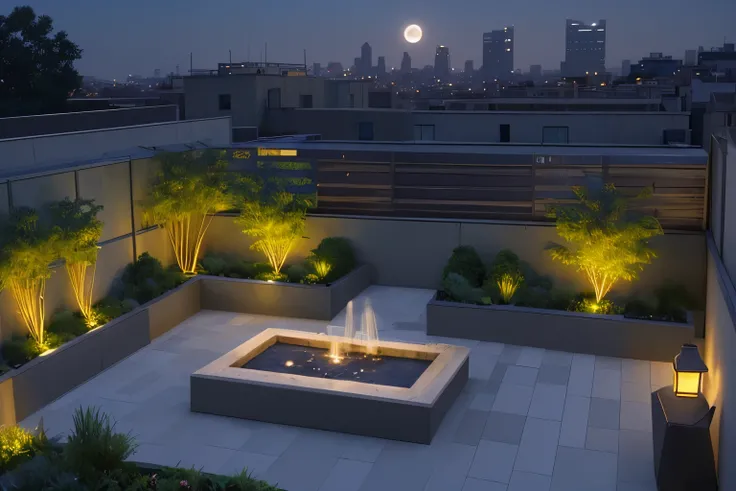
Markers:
<point>137,37</point>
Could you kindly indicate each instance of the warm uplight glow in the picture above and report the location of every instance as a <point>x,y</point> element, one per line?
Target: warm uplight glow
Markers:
<point>269,281</point>
<point>686,384</point>
<point>48,352</point>
<point>289,363</point>
<point>336,360</point>
<point>322,268</point>
<point>413,34</point>
<point>29,297</point>
<point>507,285</point>
<point>82,289</point>
<point>688,369</point>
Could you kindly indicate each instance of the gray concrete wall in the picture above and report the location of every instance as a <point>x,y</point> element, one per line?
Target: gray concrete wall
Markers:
<point>641,128</point>
<point>31,153</point>
<point>412,253</point>
<point>46,124</point>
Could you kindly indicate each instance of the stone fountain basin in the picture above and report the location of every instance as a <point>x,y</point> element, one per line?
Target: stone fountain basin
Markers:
<point>399,413</point>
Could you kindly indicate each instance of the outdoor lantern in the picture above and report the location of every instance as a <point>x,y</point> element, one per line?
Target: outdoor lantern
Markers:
<point>689,369</point>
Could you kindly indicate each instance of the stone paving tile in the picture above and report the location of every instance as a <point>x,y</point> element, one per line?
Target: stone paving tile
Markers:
<point>558,358</point>
<point>637,371</point>
<point>364,449</point>
<point>504,427</point>
<point>581,375</point>
<point>346,475</point>
<point>604,413</point>
<point>472,484</point>
<point>575,421</point>
<point>471,427</point>
<point>608,363</point>
<point>538,447</point>
<point>554,374</point>
<point>584,470</point>
<point>510,354</point>
<point>270,439</point>
<point>635,457</point>
<point>401,466</point>
<point>636,416</point>
<point>297,470</point>
<point>481,365</point>
<point>254,463</point>
<point>521,376</point>
<point>602,440</point>
<point>635,392</point>
<point>483,402</point>
<point>494,461</point>
<point>636,486</point>
<point>526,481</point>
<point>451,465</point>
<point>514,399</point>
<point>661,374</point>
<point>607,383</point>
<point>548,402</point>
<point>530,357</point>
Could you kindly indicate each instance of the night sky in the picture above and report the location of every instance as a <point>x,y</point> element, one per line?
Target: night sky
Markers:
<point>138,36</point>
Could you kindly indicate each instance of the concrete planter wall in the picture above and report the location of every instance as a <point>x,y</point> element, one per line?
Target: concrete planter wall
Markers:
<point>321,302</point>
<point>41,381</point>
<point>605,335</point>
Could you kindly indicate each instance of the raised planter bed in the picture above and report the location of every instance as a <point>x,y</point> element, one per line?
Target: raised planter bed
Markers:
<point>605,335</point>
<point>321,302</point>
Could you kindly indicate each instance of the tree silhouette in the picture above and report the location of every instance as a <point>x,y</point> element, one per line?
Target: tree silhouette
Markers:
<point>37,72</point>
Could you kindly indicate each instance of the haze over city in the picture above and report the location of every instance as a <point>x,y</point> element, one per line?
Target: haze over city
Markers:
<point>138,36</point>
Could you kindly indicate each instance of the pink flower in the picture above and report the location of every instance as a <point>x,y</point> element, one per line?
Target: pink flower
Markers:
<point>184,484</point>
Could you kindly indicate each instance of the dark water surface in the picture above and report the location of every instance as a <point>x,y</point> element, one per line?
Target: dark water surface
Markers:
<point>358,367</point>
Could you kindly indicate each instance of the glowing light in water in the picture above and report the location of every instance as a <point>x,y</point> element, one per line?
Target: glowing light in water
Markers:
<point>289,363</point>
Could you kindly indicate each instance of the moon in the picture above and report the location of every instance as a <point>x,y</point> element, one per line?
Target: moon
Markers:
<point>413,34</point>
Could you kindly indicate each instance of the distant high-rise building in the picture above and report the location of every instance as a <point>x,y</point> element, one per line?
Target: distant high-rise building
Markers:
<point>366,60</point>
<point>498,54</point>
<point>157,73</point>
<point>381,68</point>
<point>691,57</point>
<point>535,71</point>
<point>334,69</point>
<point>469,67</point>
<point>442,63</point>
<point>585,48</point>
<point>406,63</point>
<point>625,68</point>
<point>317,69</point>
<point>357,65</point>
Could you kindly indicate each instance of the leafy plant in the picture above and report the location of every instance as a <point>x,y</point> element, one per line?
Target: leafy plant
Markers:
<point>18,445</point>
<point>587,303</point>
<point>606,242</point>
<point>147,279</point>
<point>110,308</point>
<point>28,249</point>
<point>68,325</point>
<point>93,447</point>
<point>190,187</point>
<point>333,258</point>
<point>466,262</point>
<point>459,289</point>
<point>296,273</point>
<point>214,265</point>
<point>79,231</point>
<point>673,302</point>
<point>506,273</point>
<point>19,350</point>
<point>276,223</point>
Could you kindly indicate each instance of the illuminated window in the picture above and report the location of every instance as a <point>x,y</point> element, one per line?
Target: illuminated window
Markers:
<point>276,152</point>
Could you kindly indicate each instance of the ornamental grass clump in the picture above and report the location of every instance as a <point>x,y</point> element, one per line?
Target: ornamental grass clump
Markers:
<point>276,222</point>
<point>27,249</point>
<point>605,241</point>
<point>190,187</point>
<point>79,230</point>
<point>506,274</point>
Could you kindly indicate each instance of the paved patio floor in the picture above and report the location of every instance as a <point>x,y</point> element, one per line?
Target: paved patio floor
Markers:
<point>528,420</point>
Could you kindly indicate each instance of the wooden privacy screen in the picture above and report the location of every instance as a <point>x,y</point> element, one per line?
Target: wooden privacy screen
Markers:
<point>521,189</point>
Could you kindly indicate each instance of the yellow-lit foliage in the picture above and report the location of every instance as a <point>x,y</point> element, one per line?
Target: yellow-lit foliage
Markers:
<point>190,187</point>
<point>606,243</point>
<point>79,231</point>
<point>26,253</point>
<point>508,284</point>
<point>15,442</point>
<point>322,268</point>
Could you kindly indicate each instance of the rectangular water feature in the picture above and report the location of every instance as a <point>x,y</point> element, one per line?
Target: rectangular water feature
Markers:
<point>408,389</point>
<point>309,361</point>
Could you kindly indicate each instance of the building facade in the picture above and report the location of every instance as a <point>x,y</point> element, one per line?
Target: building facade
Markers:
<point>406,63</point>
<point>442,63</point>
<point>366,60</point>
<point>625,68</point>
<point>498,54</point>
<point>656,65</point>
<point>585,48</point>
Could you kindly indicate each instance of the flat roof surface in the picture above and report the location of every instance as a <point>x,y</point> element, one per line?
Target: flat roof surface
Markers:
<point>300,143</point>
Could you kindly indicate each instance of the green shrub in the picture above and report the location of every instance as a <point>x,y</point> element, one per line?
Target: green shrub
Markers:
<point>587,303</point>
<point>338,254</point>
<point>67,324</point>
<point>214,264</point>
<point>534,297</point>
<point>458,288</point>
<point>673,302</point>
<point>19,350</point>
<point>271,276</point>
<point>506,274</point>
<point>43,473</point>
<point>110,308</point>
<point>147,279</point>
<point>466,262</point>
<point>18,445</point>
<point>93,447</point>
<point>639,309</point>
<point>296,273</point>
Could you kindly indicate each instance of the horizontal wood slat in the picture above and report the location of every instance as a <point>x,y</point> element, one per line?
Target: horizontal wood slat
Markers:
<point>511,191</point>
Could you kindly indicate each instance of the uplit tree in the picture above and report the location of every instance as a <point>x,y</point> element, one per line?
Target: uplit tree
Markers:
<point>37,72</point>
<point>606,242</point>
<point>28,249</point>
<point>276,222</point>
<point>79,231</point>
<point>190,187</point>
